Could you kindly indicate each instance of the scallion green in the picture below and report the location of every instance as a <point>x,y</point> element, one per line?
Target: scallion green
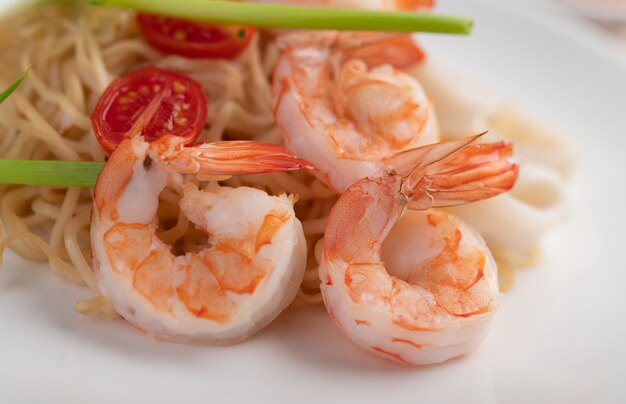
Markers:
<point>284,16</point>
<point>9,90</point>
<point>50,172</point>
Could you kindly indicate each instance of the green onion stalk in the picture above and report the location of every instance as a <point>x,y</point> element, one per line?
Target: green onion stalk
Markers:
<point>285,16</point>
<point>50,172</point>
<point>9,90</point>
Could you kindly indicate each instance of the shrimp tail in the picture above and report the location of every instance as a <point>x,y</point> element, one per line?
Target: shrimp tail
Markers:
<point>454,173</point>
<point>235,157</point>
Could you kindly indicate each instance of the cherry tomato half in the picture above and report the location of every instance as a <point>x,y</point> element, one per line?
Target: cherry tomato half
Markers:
<point>150,102</point>
<point>194,39</point>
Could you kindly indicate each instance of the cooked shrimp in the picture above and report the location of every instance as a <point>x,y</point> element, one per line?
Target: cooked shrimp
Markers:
<point>345,115</point>
<point>430,292</point>
<point>224,290</point>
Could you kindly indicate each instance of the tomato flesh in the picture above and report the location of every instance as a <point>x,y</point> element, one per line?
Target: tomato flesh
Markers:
<point>150,102</point>
<point>194,39</point>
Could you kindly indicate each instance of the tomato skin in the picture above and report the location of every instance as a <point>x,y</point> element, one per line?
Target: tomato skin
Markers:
<point>150,102</point>
<point>194,39</point>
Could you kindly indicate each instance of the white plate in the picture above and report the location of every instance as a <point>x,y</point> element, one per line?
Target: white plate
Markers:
<point>602,10</point>
<point>559,336</point>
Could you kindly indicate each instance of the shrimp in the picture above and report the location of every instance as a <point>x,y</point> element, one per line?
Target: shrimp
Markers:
<point>339,108</point>
<point>342,101</point>
<point>429,293</point>
<point>228,287</point>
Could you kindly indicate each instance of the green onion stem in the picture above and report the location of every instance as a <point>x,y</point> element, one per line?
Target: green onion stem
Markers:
<point>9,90</point>
<point>50,172</point>
<point>282,16</point>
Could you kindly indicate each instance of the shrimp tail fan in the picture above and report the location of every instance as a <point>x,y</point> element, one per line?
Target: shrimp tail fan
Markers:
<point>236,157</point>
<point>454,173</point>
